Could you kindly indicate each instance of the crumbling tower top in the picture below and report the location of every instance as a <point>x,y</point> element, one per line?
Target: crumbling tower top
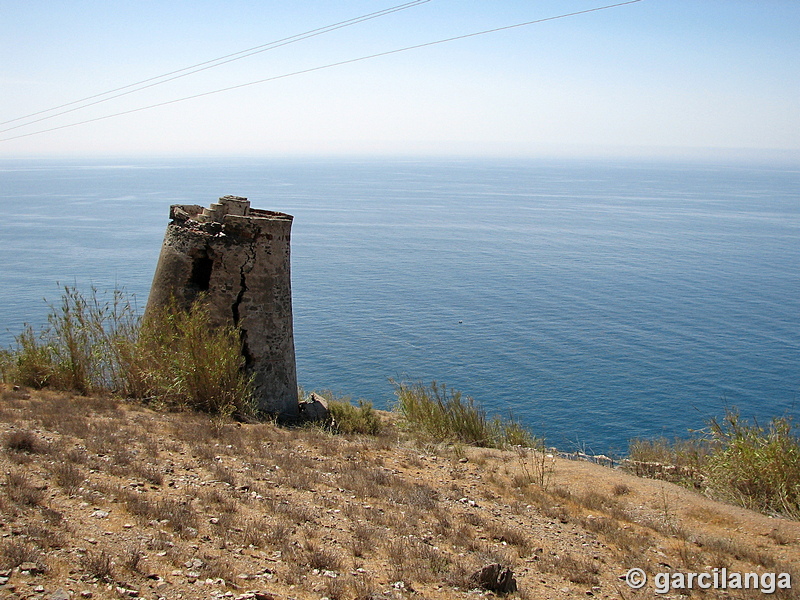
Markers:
<point>227,205</point>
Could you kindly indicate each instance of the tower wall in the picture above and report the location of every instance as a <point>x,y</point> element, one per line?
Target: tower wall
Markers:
<point>239,258</point>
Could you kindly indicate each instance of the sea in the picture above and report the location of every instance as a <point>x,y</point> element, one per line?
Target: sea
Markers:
<point>596,301</point>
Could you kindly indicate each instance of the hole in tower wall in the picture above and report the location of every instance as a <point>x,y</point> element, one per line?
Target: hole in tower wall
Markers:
<point>200,279</point>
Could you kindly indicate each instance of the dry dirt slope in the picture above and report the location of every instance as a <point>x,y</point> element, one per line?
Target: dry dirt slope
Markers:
<point>102,499</point>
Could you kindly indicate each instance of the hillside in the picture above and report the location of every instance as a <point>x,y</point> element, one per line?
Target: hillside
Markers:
<point>105,499</point>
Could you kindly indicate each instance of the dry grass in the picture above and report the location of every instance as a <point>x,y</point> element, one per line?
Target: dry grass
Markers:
<point>21,490</point>
<point>747,464</point>
<point>15,552</point>
<point>97,343</point>
<point>24,441</point>
<point>113,495</point>
<point>98,565</point>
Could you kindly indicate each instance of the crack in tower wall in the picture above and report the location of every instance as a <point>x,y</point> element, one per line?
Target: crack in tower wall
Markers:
<point>245,268</point>
<point>240,259</point>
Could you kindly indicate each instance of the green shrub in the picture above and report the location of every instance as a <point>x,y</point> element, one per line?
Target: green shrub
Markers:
<point>77,350</point>
<point>31,363</point>
<point>445,415</point>
<point>181,360</point>
<point>756,467</point>
<point>347,418</point>
<point>92,344</point>
<point>753,466</point>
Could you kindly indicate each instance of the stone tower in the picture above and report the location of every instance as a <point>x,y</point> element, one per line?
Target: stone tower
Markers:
<point>239,257</point>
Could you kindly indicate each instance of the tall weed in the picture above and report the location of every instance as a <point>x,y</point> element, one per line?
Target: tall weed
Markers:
<point>180,360</point>
<point>744,463</point>
<point>446,415</point>
<point>77,350</point>
<point>757,467</point>
<point>98,344</point>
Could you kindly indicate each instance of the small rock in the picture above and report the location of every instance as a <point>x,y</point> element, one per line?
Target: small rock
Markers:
<point>60,594</point>
<point>39,589</point>
<point>30,567</point>
<point>99,514</point>
<point>495,578</point>
<point>314,409</point>
<point>86,594</point>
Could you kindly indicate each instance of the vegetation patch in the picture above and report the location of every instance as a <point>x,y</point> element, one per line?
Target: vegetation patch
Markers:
<point>445,415</point>
<point>747,464</point>
<point>350,419</point>
<point>99,344</point>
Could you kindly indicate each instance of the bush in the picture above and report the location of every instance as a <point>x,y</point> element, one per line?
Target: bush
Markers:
<point>756,467</point>
<point>445,415</point>
<point>753,466</point>
<point>175,358</point>
<point>77,350</point>
<point>181,360</point>
<point>31,363</point>
<point>347,418</point>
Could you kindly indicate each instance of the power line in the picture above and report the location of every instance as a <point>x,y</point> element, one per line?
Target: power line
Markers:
<point>203,66</point>
<point>327,66</point>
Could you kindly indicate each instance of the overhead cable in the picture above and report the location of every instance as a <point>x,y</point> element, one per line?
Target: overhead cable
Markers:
<point>203,66</point>
<point>323,67</point>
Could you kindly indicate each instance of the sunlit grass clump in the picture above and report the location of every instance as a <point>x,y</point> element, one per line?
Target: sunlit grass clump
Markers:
<point>174,358</point>
<point>79,348</point>
<point>446,415</point>
<point>753,466</point>
<point>349,418</point>
<point>180,360</point>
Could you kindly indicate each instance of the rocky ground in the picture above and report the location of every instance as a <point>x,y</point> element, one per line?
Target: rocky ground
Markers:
<point>105,499</point>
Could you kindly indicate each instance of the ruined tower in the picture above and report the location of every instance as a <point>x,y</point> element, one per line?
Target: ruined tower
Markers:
<point>239,257</point>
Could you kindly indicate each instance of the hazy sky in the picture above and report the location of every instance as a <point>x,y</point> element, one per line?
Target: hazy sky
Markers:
<point>651,77</point>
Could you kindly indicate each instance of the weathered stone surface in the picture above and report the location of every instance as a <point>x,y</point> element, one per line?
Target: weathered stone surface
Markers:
<point>495,578</point>
<point>239,258</point>
<point>314,409</point>
<point>31,567</point>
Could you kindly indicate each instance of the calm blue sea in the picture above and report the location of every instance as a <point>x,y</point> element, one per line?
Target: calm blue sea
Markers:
<point>596,301</point>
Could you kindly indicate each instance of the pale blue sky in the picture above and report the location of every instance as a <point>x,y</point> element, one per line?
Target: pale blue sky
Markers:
<point>655,77</point>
